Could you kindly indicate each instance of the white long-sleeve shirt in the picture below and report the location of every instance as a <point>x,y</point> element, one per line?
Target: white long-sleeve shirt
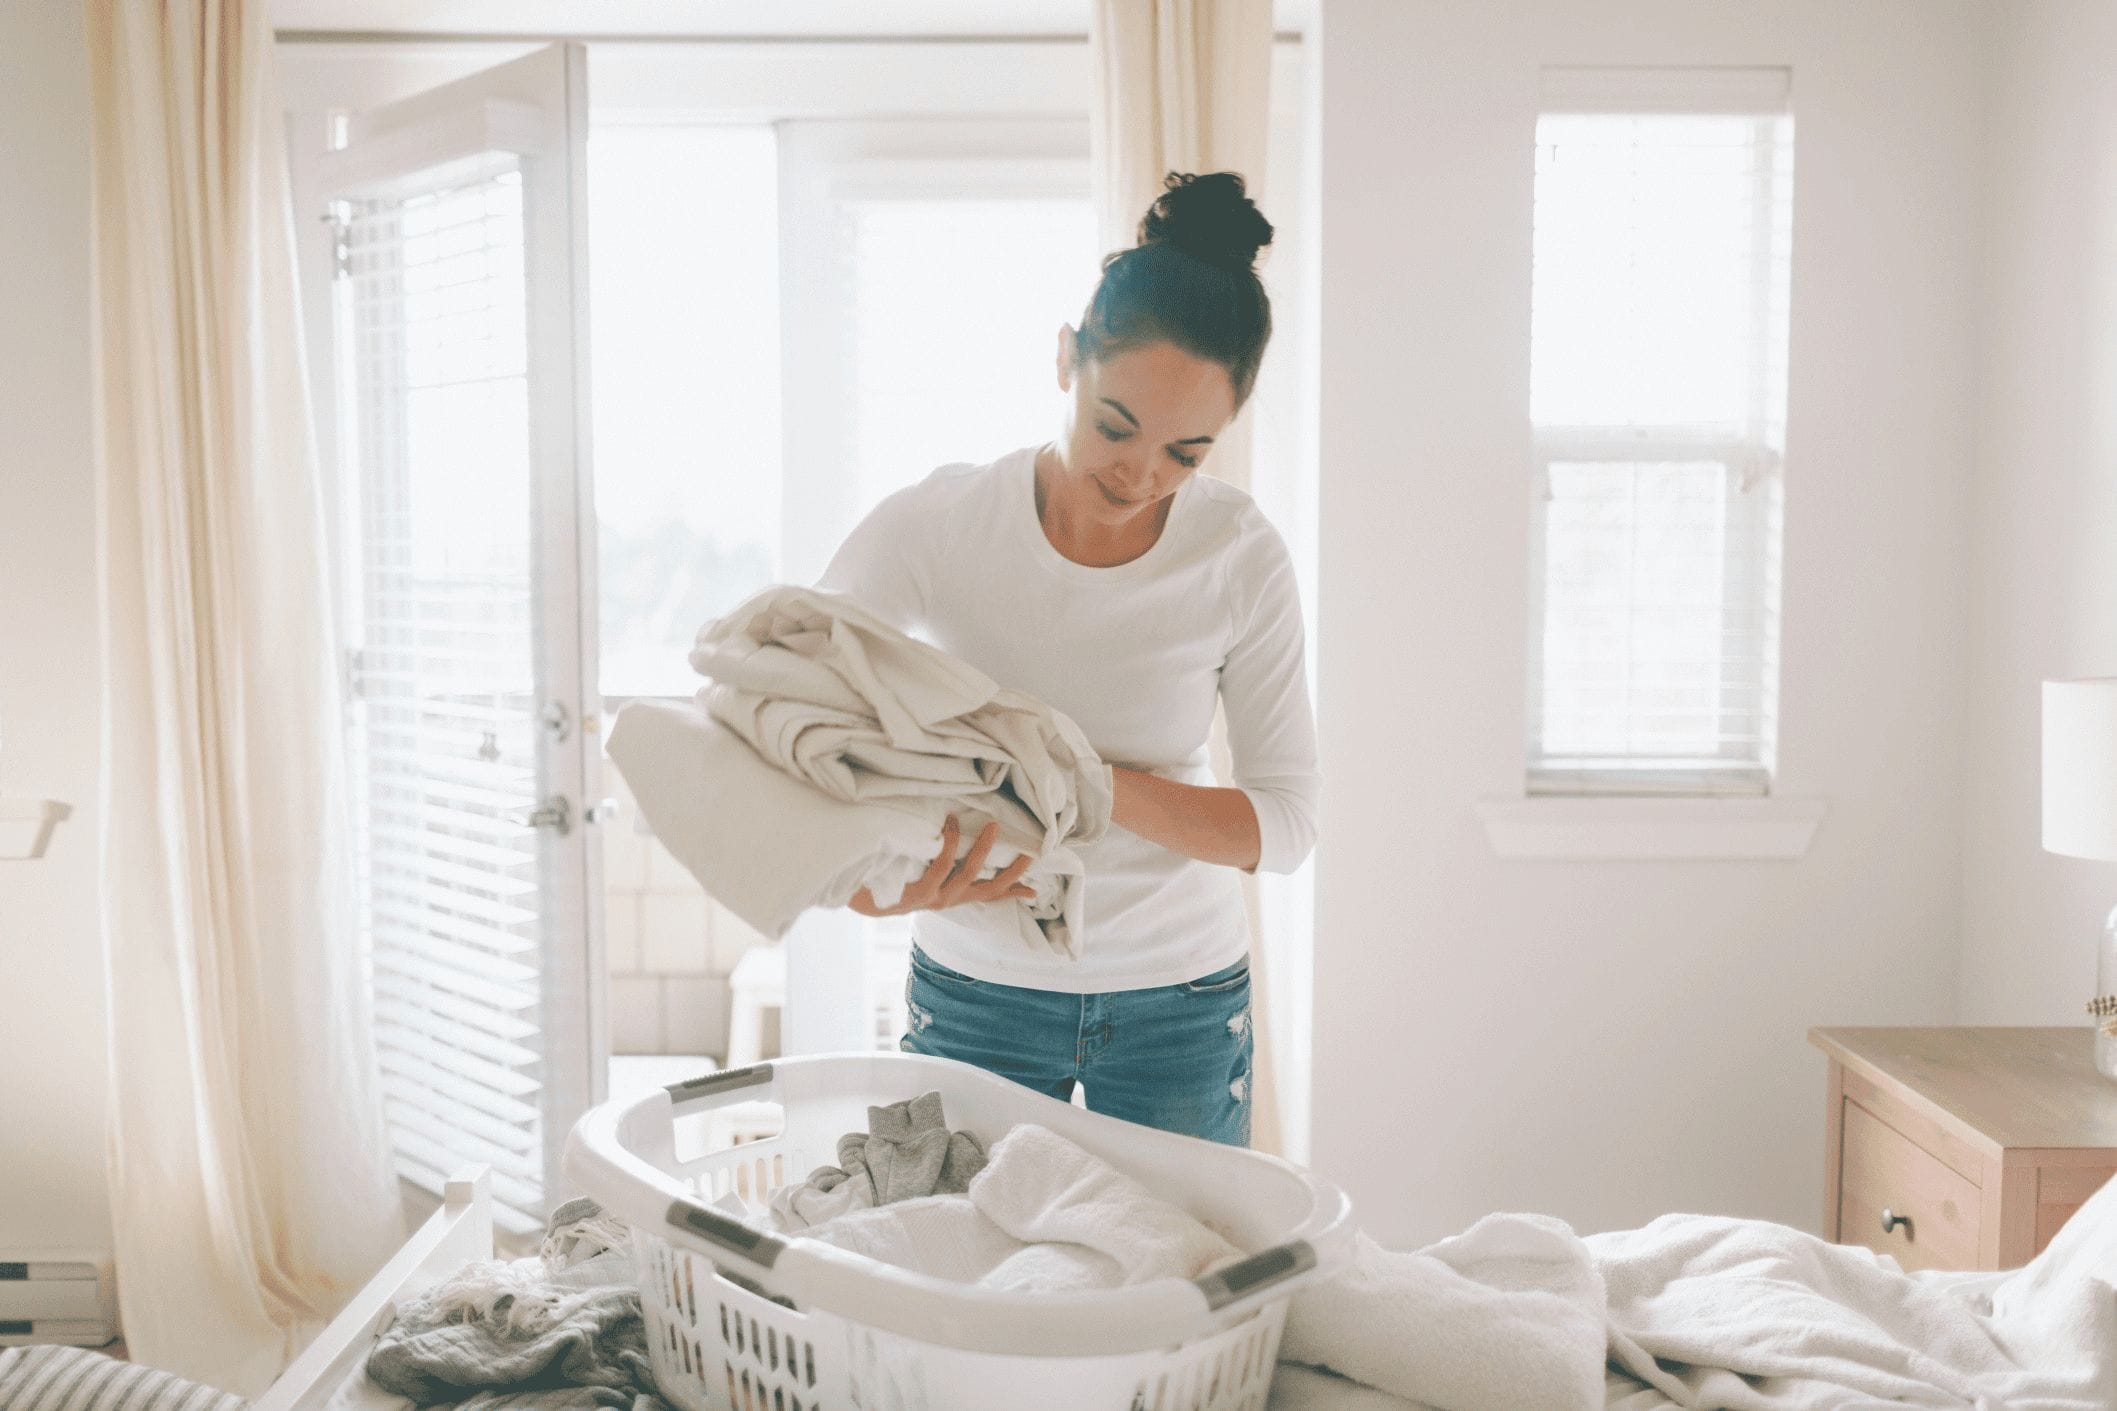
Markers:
<point>1137,654</point>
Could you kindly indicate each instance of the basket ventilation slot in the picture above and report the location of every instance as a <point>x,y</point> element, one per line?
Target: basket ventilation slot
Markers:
<point>1234,1379</point>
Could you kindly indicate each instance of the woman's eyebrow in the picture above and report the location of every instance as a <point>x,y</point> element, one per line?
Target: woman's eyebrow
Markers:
<point>1126,412</point>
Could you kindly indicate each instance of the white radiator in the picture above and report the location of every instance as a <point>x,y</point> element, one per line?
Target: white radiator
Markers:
<point>57,1295</point>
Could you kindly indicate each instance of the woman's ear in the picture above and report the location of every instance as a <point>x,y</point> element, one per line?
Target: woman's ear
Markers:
<point>1067,347</point>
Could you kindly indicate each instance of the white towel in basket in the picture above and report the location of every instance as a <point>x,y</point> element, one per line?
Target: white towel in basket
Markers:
<point>1042,1189</point>
<point>1043,1216</point>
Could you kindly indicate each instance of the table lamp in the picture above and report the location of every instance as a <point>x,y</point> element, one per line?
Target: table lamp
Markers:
<point>2080,815</point>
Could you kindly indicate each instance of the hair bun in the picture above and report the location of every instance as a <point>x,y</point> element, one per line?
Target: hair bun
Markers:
<point>1208,216</point>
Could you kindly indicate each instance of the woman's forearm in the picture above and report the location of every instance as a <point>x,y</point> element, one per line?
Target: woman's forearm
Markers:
<point>1211,824</point>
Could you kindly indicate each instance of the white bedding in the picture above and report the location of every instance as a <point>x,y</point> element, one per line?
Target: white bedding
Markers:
<point>1691,1312</point>
<point>1299,1388</point>
<point>1715,1314</point>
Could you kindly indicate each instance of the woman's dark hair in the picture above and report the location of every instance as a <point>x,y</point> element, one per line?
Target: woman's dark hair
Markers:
<point>1191,280</point>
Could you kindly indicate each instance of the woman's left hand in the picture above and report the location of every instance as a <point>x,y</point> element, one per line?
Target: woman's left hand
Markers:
<point>947,882</point>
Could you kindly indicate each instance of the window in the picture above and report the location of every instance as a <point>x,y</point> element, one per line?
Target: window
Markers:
<point>684,278</point>
<point>1663,211</point>
<point>755,395</point>
<point>791,320</point>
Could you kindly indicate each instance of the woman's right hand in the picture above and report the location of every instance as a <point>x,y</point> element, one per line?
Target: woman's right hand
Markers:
<point>946,882</point>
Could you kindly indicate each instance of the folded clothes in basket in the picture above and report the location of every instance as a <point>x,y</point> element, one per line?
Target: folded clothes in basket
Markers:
<point>828,748</point>
<point>563,1323</point>
<point>1043,1215</point>
<point>906,1152</point>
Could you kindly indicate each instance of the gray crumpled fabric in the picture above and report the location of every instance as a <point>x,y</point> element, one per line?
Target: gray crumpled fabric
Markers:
<point>560,1331</point>
<point>906,1152</point>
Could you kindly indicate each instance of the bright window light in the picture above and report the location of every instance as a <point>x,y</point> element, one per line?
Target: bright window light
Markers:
<point>684,321</point>
<point>955,326</point>
<point>1658,401</point>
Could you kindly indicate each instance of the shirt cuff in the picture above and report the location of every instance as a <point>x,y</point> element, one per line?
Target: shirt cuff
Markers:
<point>1286,832</point>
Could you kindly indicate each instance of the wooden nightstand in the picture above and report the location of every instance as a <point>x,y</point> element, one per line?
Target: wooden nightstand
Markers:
<point>1962,1148</point>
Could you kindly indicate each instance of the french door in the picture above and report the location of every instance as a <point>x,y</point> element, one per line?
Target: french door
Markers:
<point>461,411</point>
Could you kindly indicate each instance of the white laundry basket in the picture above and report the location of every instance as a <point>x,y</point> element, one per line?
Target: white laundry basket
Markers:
<point>742,1319</point>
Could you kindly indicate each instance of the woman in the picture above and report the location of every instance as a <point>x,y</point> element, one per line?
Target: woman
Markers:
<point>1103,574</point>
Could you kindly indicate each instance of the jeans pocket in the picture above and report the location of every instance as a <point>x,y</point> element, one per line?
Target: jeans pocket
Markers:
<point>1220,982</point>
<point>925,967</point>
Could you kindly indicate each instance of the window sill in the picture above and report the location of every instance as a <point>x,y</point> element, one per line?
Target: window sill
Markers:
<point>26,827</point>
<point>1657,829</point>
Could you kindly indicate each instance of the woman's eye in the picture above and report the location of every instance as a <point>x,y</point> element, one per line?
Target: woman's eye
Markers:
<point>1110,431</point>
<point>1187,462</point>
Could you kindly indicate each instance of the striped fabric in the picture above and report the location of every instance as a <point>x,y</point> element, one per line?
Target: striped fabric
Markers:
<point>78,1379</point>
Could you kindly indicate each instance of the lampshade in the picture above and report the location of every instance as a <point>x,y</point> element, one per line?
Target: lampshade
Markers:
<point>2080,768</point>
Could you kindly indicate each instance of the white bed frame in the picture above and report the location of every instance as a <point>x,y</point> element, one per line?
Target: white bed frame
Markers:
<point>459,1232</point>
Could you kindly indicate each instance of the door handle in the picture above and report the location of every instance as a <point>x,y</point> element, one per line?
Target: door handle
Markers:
<point>555,813</point>
<point>1890,1220</point>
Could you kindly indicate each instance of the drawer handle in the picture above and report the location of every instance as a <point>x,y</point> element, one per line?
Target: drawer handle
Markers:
<point>1890,1220</point>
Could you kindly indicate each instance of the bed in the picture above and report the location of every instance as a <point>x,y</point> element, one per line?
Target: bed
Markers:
<point>1701,1311</point>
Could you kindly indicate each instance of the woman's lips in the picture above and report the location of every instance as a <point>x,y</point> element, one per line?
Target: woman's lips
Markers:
<point>1111,495</point>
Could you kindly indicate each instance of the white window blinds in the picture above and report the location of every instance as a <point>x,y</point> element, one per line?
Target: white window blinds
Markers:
<point>1658,401</point>
<point>436,367</point>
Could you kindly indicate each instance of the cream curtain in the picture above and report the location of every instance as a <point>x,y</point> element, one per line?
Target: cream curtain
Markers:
<point>249,1186</point>
<point>1180,85</point>
<point>1185,85</point>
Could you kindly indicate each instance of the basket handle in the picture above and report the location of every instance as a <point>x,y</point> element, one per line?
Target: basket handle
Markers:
<point>1250,1276</point>
<point>712,1089</point>
<point>759,1247</point>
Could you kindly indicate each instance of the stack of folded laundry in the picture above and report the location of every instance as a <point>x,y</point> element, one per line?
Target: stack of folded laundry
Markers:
<point>825,753</point>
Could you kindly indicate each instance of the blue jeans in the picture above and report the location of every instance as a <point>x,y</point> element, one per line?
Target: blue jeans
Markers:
<point>1175,1057</point>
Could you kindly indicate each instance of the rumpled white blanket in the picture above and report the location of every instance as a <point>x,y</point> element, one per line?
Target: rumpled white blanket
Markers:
<point>827,752</point>
<point>1753,1316</point>
<point>1507,1314</point>
<point>1709,1313</point>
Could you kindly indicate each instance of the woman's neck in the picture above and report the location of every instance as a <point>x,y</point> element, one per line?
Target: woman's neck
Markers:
<point>1075,534</point>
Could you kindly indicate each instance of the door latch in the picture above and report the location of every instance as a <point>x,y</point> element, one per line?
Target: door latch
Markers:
<point>556,813</point>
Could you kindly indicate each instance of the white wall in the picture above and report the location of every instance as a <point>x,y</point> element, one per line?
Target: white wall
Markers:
<point>51,998</point>
<point>1609,1041</point>
<point>2044,507</point>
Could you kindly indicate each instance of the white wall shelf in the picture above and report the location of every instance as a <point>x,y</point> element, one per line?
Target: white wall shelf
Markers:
<point>1657,829</point>
<point>26,827</point>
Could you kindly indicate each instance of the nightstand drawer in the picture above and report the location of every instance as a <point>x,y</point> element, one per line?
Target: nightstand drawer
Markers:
<point>1885,1170</point>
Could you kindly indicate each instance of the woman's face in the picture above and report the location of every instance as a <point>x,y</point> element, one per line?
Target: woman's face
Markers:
<point>1138,424</point>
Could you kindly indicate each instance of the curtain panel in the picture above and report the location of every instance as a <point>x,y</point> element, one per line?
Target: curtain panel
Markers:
<point>249,1186</point>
